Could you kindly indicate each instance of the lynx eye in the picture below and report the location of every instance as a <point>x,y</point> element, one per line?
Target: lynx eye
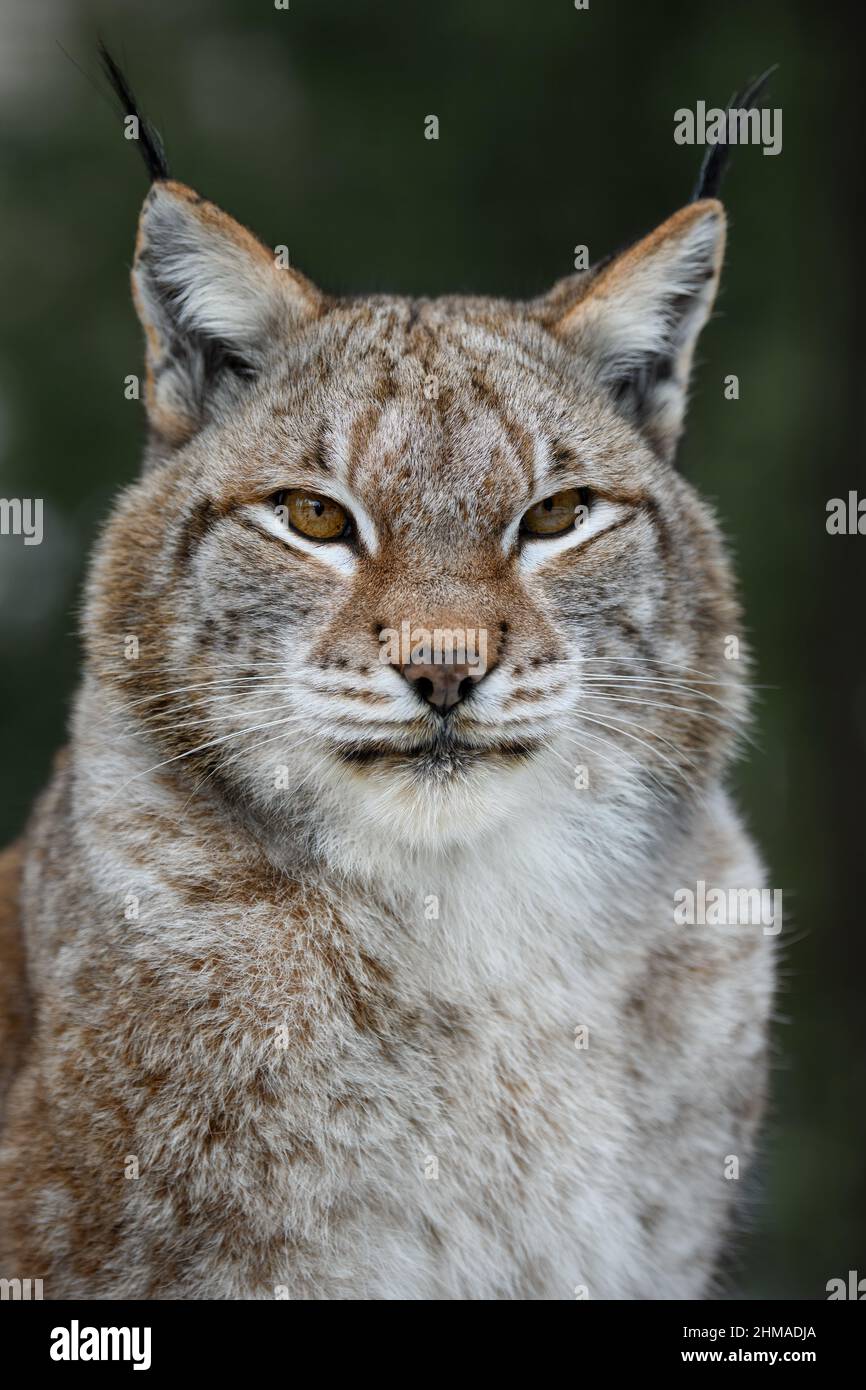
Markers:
<point>556,514</point>
<point>316,517</point>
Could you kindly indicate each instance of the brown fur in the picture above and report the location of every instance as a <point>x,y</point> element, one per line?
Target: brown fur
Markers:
<point>239,987</point>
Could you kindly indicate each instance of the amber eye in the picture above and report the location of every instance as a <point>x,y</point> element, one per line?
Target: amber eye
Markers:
<point>557,514</point>
<point>319,518</point>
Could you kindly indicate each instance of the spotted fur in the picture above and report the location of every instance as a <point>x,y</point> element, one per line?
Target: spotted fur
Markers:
<point>305,965</point>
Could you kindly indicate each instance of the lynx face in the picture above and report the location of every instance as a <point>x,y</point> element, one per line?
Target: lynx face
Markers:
<point>424,562</point>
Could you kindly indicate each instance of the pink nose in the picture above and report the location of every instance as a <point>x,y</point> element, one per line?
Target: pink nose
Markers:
<point>443,684</point>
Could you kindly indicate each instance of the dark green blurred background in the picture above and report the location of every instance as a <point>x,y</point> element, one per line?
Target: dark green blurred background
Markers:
<point>556,129</point>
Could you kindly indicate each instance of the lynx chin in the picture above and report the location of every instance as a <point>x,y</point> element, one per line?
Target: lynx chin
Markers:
<point>326,1089</point>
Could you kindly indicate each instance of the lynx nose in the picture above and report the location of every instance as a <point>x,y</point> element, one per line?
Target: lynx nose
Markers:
<point>443,684</point>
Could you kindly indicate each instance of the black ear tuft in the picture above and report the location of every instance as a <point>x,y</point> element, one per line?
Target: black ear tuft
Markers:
<point>149,142</point>
<point>717,156</point>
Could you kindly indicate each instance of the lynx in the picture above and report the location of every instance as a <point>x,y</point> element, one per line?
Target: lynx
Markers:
<point>330,973</point>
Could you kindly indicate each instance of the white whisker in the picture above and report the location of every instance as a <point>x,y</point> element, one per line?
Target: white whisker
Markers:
<point>212,743</point>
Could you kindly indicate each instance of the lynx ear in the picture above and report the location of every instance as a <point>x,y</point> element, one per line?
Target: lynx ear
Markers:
<point>636,318</point>
<point>213,303</point>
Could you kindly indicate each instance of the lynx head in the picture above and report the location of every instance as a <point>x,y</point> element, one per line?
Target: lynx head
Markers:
<point>416,564</point>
